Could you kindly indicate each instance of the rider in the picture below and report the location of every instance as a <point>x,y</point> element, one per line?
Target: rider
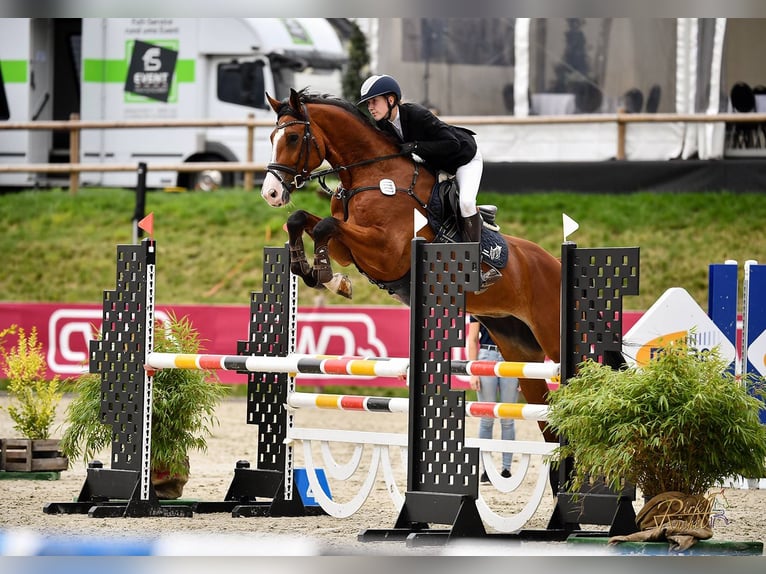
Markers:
<point>445,147</point>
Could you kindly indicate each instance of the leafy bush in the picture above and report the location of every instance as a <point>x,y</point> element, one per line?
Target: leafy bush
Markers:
<point>183,406</point>
<point>680,423</point>
<point>36,398</point>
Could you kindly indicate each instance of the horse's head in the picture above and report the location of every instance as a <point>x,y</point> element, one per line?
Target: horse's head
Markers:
<point>294,151</point>
<point>312,129</point>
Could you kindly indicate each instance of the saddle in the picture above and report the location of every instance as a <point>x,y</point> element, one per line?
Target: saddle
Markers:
<point>442,213</point>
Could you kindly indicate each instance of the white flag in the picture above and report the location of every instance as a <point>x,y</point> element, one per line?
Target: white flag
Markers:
<point>420,222</point>
<point>570,226</point>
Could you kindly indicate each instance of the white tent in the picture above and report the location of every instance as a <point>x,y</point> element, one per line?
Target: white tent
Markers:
<point>565,66</point>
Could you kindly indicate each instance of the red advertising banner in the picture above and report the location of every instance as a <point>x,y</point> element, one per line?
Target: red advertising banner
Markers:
<point>372,331</point>
<point>65,329</point>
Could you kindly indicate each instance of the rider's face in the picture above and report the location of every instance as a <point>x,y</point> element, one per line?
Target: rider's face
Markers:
<point>378,107</point>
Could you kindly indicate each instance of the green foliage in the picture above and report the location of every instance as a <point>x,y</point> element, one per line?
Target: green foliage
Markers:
<point>183,406</point>
<point>85,435</point>
<point>60,247</point>
<point>680,423</point>
<point>35,398</point>
<point>358,64</point>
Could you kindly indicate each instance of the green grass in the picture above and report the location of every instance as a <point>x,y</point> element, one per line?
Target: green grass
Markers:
<point>59,247</point>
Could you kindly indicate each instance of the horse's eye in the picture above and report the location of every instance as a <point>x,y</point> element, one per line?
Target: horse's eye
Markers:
<point>292,139</point>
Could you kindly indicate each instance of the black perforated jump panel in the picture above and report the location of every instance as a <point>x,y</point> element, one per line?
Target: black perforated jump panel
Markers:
<point>270,335</point>
<point>594,282</point>
<point>119,355</point>
<point>439,462</point>
<point>599,279</point>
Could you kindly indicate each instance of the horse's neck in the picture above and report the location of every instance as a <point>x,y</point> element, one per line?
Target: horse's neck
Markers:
<point>363,143</point>
<point>359,144</point>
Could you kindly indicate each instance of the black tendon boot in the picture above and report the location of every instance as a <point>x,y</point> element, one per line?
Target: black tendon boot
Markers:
<point>472,233</point>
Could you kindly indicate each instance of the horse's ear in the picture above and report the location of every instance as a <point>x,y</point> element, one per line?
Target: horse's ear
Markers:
<point>272,102</point>
<point>295,100</point>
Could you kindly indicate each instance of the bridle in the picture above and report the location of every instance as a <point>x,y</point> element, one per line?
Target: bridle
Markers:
<point>303,174</point>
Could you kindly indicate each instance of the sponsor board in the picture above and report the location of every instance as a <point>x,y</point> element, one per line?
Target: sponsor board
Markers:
<point>675,315</point>
<point>64,331</point>
<point>756,354</point>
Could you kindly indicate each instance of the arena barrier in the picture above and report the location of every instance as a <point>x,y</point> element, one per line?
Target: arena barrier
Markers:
<point>441,463</point>
<point>380,445</point>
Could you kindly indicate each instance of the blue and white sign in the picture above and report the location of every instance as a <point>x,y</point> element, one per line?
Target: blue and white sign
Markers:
<point>304,487</point>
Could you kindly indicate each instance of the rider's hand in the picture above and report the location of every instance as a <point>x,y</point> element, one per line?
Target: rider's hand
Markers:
<point>408,147</point>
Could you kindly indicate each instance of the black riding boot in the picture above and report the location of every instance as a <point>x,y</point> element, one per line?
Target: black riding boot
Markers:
<point>472,228</point>
<point>472,233</point>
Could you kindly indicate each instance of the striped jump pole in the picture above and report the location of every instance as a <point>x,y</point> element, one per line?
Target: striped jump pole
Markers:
<point>292,363</point>
<point>343,365</point>
<point>506,369</point>
<point>401,405</point>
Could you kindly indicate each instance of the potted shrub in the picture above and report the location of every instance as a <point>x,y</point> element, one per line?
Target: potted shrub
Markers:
<point>675,428</point>
<point>33,406</point>
<point>183,412</point>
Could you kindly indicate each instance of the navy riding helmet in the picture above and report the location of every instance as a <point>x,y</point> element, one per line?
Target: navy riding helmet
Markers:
<point>379,86</point>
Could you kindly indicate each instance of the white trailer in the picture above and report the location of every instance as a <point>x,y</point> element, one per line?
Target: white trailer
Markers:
<point>124,69</point>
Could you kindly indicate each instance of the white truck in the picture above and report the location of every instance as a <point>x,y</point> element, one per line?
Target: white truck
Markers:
<point>126,69</point>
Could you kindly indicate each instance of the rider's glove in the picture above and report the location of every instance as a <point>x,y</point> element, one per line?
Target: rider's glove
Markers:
<point>408,147</point>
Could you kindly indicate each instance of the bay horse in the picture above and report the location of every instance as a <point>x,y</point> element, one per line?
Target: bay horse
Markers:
<point>372,229</point>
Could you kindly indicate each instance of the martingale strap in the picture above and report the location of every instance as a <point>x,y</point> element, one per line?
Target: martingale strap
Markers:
<point>345,195</point>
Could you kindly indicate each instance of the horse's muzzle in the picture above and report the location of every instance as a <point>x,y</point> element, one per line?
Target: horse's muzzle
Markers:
<point>273,192</point>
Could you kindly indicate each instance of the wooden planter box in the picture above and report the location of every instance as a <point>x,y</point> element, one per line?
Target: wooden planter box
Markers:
<point>18,454</point>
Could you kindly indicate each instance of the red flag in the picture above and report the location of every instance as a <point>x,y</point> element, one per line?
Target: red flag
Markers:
<point>147,224</point>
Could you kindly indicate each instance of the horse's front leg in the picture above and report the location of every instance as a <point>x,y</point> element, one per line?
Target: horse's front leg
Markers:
<point>323,231</point>
<point>297,223</point>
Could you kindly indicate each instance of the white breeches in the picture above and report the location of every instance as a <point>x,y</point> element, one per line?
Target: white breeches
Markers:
<point>468,179</point>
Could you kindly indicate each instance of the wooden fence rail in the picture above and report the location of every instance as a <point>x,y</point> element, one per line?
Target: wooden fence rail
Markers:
<point>74,126</point>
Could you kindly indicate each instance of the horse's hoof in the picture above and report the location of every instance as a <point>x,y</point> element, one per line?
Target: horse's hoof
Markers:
<point>340,284</point>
